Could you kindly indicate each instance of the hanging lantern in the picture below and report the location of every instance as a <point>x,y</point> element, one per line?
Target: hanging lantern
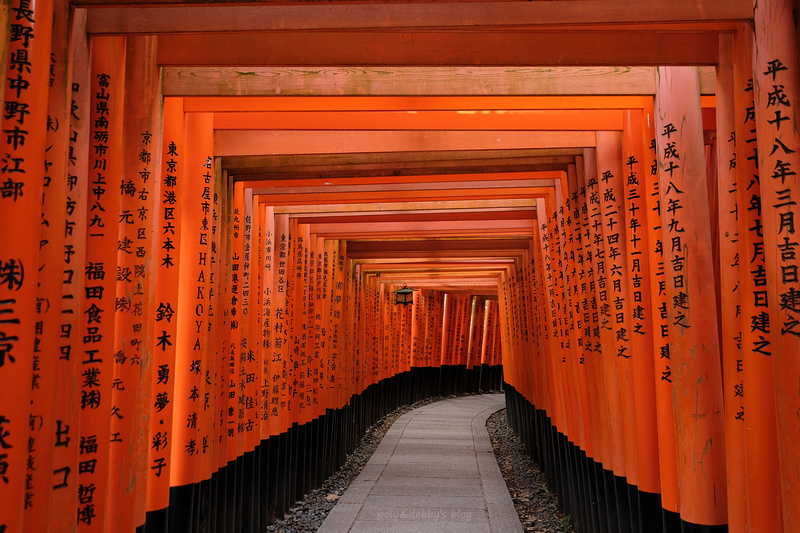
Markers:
<point>404,296</point>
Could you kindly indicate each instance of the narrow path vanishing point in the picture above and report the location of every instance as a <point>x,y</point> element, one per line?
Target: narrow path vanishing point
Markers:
<point>434,471</point>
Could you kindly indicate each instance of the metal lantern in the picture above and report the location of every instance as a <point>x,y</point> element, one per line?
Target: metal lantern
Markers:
<point>404,296</point>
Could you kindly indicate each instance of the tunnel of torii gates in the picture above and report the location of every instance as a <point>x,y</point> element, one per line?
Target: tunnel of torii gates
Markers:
<point>206,211</point>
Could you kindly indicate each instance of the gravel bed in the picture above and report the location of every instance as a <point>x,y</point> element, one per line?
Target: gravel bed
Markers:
<point>536,505</point>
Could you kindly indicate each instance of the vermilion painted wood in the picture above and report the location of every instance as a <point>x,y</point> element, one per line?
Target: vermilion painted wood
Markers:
<point>20,218</point>
<point>330,324</point>
<point>261,422</point>
<point>432,181</point>
<point>777,96</point>
<point>5,12</point>
<point>354,373</point>
<point>269,322</point>
<point>191,81</point>
<point>259,142</point>
<point>572,239</point>
<point>694,341</point>
<point>191,335</point>
<point>619,368</point>
<point>319,340</point>
<point>67,391</point>
<point>609,421</point>
<point>247,379</point>
<point>167,266</point>
<point>47,331</point>
<point>217,326</point>
<point>588,316</point>
<point>432,47</point>
<point>294,311</point>
<point>135,312</point>
<point>235,442</point>
<point>559,386</point>
<point>670,495</point>
<point>216,15</point>
<point>520,120</point>
<point>568,358</point>
<point>105,170</point>
<point>541,391</point>
<point>280,333</point>
<point>763,500</point>
<point>451,183</point>
<point>639,279</point>
<point>218,104</point>
<point>220,448</point>
<point>330,168</point>
<point>336,320</point>
<point>730,292</point>
<point>457,120</point>
<point>575,259</point>
<point>300,329</point>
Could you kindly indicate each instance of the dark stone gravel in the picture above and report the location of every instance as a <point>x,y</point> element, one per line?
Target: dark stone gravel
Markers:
<point>536,505</point>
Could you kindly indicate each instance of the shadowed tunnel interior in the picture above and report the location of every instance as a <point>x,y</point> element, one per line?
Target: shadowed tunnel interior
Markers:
<point>209,211</point>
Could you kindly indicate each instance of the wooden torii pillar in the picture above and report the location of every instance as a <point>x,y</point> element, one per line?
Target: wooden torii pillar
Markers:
<point>776,84</point>
<point>694,343</point>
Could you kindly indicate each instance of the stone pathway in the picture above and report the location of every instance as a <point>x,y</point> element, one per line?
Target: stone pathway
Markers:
<point>434,472</point>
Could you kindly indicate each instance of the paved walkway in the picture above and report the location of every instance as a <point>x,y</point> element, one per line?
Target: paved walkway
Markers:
<point>434,471</point>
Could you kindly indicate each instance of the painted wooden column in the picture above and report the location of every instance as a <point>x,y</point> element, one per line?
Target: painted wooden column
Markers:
<point>588,319</point>
<point>46,364</point>
<point>355,370</point>
<point>165,322</point>
<point>247,381</point>
<point>570,229</point>
<point>223,441</point>
<point>280,347</point>
<point>341,316</point>
<point>419,317</point>
<point>615,315</point>
<point>532,312</point>
<point>565,361</point>
<point>641,333</point>
<point>694,340</point>
<point>615,466</point>
<point>756,381</point>
<point>592,354</point>
<point>21,185</point>
<point>190,338</point>
<point>477,323</point>
<point>316,343</point>
<point>234,416</point>
<point>555,404</point>
<point>665,419</point>
<point>271,396</point>
<point>335,325</point>
<point>5,17</point>
<point>730,286</point>
<point>257,327</point>
<point>575,368</point>
<point>214,374</point>
<point>96,369</point>
<point>776,84</point>
<point>65,488</point>
<point>130,423</point>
